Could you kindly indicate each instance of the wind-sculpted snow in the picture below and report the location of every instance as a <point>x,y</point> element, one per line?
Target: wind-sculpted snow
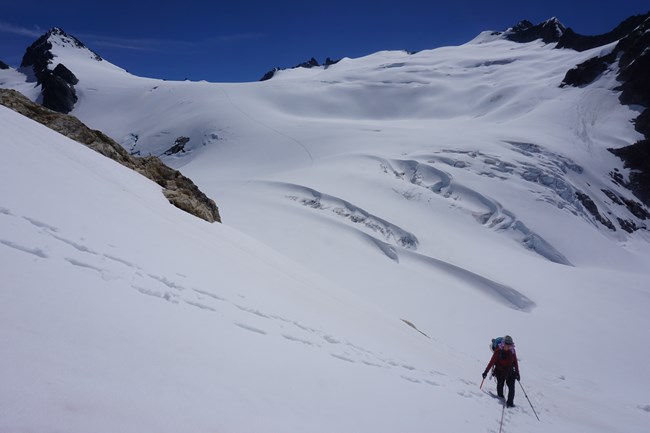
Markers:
<point>485,210</point>
<point>353,214</point>
<point>503,294</point>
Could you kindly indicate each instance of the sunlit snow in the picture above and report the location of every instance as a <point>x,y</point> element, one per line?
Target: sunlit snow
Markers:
<point>384,218</point>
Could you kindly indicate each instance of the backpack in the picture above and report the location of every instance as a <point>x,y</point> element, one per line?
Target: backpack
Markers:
<point>496,342</point>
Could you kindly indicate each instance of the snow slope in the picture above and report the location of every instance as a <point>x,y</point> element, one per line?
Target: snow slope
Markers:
<point>436,189</point>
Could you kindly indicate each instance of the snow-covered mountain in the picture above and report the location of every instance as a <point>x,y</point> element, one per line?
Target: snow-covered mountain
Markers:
<point>384,218</point>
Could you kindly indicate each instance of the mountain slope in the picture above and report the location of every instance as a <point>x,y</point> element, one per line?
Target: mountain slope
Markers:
<point>179,190</point>
<point>114,299</point>
<point>460,190</point>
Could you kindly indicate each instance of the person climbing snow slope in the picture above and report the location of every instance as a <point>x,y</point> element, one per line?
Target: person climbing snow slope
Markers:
<point>506,368</point>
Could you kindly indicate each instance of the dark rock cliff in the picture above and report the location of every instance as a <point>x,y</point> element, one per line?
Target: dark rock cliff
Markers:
<point>575,41</point>
<point>58,83</point>
<point>632,54</point>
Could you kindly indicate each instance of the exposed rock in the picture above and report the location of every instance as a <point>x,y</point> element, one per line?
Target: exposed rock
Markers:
<point>178,189</point>
<point>178,147</point>
<point>634,67</point>
<point>549,31</point>
<point>65,74</point>
<point>627,225</point>
<point>38,55</point>
<point>642,123</point>
<point>575,41</point>
<point>613,197</point>
<point>637,159</point>
<point>58,94</point>
<point>633,55</point>
<point>634,63</point>
<point>270,74</point>
<point>57,84</point>
<point>311,63</point>
<point>589,204</point>
<point>3,65</point>
<point>636,209</point>
<point>586,72</point>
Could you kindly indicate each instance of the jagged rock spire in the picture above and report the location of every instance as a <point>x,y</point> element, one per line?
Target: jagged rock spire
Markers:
<point>57,81</point>
<point>549,31</point>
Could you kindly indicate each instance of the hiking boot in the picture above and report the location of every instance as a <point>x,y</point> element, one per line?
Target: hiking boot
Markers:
<point>510,404</point>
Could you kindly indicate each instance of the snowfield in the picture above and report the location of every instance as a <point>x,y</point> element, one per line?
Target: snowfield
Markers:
<point>384,218</point>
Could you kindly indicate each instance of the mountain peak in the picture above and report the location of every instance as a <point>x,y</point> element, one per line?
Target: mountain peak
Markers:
<point>554,21</point>
<point>40,55</point>
<point>56,79</point>
<point>58,37</point>
<point>549,31</point>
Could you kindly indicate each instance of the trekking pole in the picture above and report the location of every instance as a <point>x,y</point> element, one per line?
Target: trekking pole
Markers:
<point>481,387</point>
<point>531,405</point>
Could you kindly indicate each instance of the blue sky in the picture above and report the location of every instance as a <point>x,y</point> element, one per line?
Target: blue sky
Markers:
<point>239,40</point>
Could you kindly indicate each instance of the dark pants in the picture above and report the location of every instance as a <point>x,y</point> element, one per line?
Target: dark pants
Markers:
<point>507,378</point>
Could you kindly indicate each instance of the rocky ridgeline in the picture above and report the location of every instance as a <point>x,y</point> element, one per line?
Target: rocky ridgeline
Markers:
<point>549,31</point>
<point>311,63</point>
<point>632,52</point>
<point>179,190</point>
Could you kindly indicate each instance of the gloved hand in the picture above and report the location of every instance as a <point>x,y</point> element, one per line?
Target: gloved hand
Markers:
<point>484,375</point>
<point>518,377</point>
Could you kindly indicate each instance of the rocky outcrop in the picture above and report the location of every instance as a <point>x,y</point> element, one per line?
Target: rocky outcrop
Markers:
<point>59,93</point>
<point>591,207</point>
<point>586,72</point>
<point>632,56</point>
<point>178,147</point>
<point>637,159</point>
<point>58,83</point>
<point>574,41</point>
<point>270,74</point>
<point>179,190</point>
<point>549,31</point>
<point>311,63</point>
<point>3,65</point>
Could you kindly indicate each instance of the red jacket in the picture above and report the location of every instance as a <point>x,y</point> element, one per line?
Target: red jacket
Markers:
<point>503,361</point>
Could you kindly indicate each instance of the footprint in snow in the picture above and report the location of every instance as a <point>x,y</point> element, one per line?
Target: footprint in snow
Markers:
<point>252,311</point>
<point>25,249</point>
<point>121,261</point>
<point>201,306</point>
<point>343,358</point>
<point>40,224</point>
<point>251,328</point>
<point>410,379</point>
<point>298,340</point>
